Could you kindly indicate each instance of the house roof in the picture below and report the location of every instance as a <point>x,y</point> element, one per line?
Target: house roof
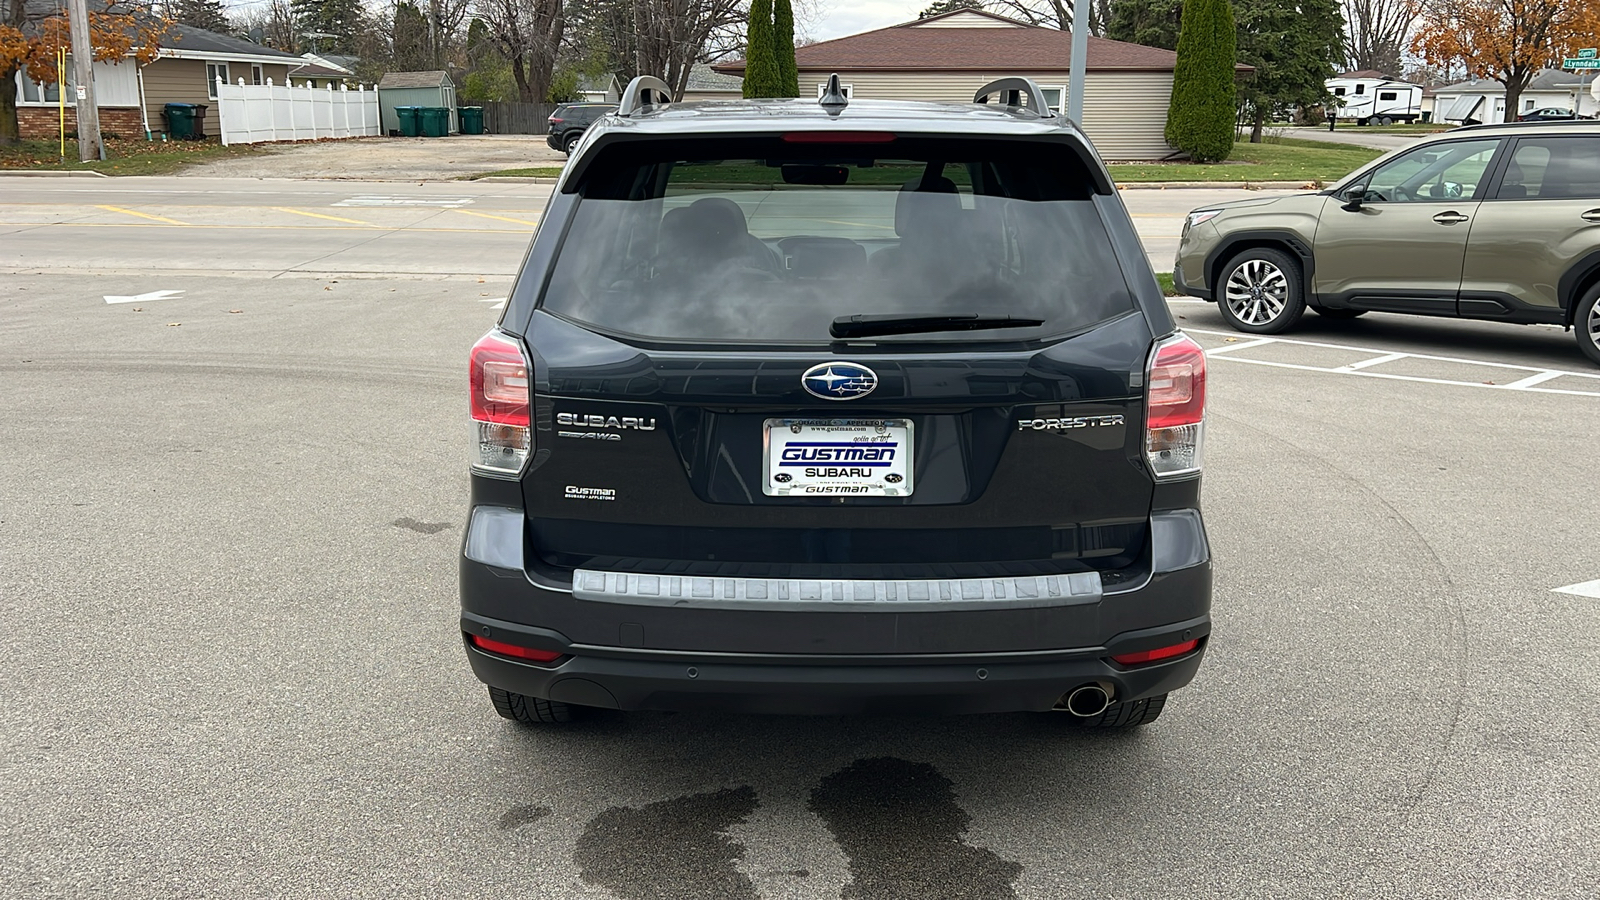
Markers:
<point>396,80</point>
<point>1544,80</point>
<point>312,70</point>
<point>999,45</point>
<point>180,38</point>
<point>1364,73</point>
<point>704,79</point>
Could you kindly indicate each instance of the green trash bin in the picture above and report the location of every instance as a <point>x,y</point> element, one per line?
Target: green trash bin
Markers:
<point>410,120</point>
<point>180,121</point>
<point>471,119</point>
<point>435,121</point>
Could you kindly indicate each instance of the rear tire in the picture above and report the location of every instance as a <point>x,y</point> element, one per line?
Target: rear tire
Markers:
<point>1127,715</point>
<point>1340,313</point>
<point>1586,322</point>
<point>529,710</point>
<point>571,143</point>
<point>1385,121</point>
<point>1260,291</point>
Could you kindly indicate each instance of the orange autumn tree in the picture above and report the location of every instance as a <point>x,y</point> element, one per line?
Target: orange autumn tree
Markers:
<point>29,42</point>
<point>1507,41</point>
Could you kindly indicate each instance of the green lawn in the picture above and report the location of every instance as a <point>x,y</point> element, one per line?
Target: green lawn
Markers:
<point>124,156</point>
<point>1280,160</point>
<point>535,172</point>
<point>1165,280</point>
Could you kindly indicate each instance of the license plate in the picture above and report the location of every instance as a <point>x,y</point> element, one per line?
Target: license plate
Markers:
<point>838,457</point>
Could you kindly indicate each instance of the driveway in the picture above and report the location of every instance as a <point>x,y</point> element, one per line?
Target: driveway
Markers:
<point>389,159</point>
<point>1356,137</point>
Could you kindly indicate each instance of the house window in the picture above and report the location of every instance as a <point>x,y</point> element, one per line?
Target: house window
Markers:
<point>255,75</point>
<point>1056,96</point>
<point>1361,89</point>
<point>1527,105</point>
<point>849,90</point>
<point>213,72</point>
<point>1387,95</point>
<point>30,91</point>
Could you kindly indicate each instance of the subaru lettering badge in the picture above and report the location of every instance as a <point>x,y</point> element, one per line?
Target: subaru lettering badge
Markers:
<point>839,381</point>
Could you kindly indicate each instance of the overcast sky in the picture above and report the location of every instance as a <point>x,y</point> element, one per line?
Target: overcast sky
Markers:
<point>837,18</point>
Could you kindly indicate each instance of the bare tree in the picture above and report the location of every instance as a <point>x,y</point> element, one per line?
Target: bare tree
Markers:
<point>1376,31</point>
<point>528,34</point>
<point>1053,13</point>
<point>664,38</point>
<point>270,24</point>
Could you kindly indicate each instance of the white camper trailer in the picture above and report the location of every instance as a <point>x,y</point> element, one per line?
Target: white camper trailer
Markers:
<point>1372,99</point>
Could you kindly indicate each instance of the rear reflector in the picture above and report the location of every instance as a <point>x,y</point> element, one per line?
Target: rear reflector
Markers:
<point>500,404</point>
<point>838,137</point>
<point>527,653</point>
<point>1176,407</point>
<point>1149,656</point>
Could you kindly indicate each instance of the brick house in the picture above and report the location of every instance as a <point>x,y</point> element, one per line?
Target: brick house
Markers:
<point>132,97</point>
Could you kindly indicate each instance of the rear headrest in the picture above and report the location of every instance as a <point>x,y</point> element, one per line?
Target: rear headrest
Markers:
<point>924,204</point>
<point>723,216</point>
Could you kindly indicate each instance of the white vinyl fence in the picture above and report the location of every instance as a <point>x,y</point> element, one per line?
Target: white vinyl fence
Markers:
<point>254,113</point>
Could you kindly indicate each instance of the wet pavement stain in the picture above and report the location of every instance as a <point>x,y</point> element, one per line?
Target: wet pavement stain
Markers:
<point>900,826</point>
<point>518,816</point>
<point>420,527</point>
<point>676,849</point>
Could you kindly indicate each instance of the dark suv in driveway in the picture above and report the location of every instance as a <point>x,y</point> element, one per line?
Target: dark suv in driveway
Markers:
<point>570,121</point>
<point>836,407</point>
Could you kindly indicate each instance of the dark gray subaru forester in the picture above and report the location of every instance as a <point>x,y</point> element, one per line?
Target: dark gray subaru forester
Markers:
<point>832,407</point>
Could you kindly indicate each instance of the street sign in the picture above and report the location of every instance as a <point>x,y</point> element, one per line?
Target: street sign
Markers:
<point>1588,53</point>
<point>1580,63</point>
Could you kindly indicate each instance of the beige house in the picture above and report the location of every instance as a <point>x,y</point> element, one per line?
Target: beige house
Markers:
<point>948,57</point>
<point>132,98</point>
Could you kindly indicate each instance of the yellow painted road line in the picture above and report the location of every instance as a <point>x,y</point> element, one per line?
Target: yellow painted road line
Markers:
<point>132,212</point>
<point>301,212</point>
<point>483,215</point>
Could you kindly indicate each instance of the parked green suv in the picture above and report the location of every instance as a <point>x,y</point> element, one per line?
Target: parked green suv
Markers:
<point>1492,222</point>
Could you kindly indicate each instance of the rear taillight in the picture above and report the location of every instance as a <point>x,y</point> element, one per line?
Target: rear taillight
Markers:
<point>1156,655</point>
<point>500,425</point>
<point>1176,408</point>
<point>504,649</point>
<point>556,121</point>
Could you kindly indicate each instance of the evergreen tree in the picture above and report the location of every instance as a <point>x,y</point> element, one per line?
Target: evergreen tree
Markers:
<point>1294,45</point>
<point>1200,120</point>
<point>783,46</point>
<point>940,7</point>
<point>1153,23</point>
<point>410,40</point>
<point>211,15</point>
<point>761,59</point>
<point>340,18</point>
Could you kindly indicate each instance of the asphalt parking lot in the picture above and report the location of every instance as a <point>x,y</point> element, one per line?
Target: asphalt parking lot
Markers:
<point>233,487</point>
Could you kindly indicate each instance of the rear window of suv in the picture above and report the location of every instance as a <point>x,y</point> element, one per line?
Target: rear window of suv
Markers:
<point>768,241</point>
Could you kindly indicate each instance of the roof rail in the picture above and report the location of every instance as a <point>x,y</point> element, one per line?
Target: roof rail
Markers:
<point>637,95</point>
<point>1012,89</point>
<point>1487,126</point>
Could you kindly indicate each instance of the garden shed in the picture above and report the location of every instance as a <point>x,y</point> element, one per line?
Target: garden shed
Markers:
<point>416,89</point>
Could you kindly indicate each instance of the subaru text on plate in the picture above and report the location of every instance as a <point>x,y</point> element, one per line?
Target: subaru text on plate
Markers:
<point>831,407</point>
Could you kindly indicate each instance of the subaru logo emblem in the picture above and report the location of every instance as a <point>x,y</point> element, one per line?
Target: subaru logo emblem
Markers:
<point>839,381</point>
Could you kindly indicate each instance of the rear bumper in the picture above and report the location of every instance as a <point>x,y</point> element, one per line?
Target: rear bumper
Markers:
<point>831,660</point>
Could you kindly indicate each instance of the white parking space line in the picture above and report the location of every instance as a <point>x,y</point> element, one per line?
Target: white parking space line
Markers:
<point>1536,375</point>
<point>1244,346</point>
<point>1375,361</point>
<point>499,302</point>
<point>1582,589</point>
<point>142,298</point>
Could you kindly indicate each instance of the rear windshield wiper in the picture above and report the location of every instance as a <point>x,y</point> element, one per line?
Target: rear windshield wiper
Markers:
<point>868,326</point>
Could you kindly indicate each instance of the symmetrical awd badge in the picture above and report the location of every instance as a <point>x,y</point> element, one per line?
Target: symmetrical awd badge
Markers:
<point>839,381</point>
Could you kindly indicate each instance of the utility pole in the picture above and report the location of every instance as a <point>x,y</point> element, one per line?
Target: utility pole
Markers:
<point>1077,65</point>
<point>433,35</point>
<point>89,146</point>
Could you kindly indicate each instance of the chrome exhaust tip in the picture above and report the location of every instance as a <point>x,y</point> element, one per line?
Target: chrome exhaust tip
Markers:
<point>1086,701</point>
